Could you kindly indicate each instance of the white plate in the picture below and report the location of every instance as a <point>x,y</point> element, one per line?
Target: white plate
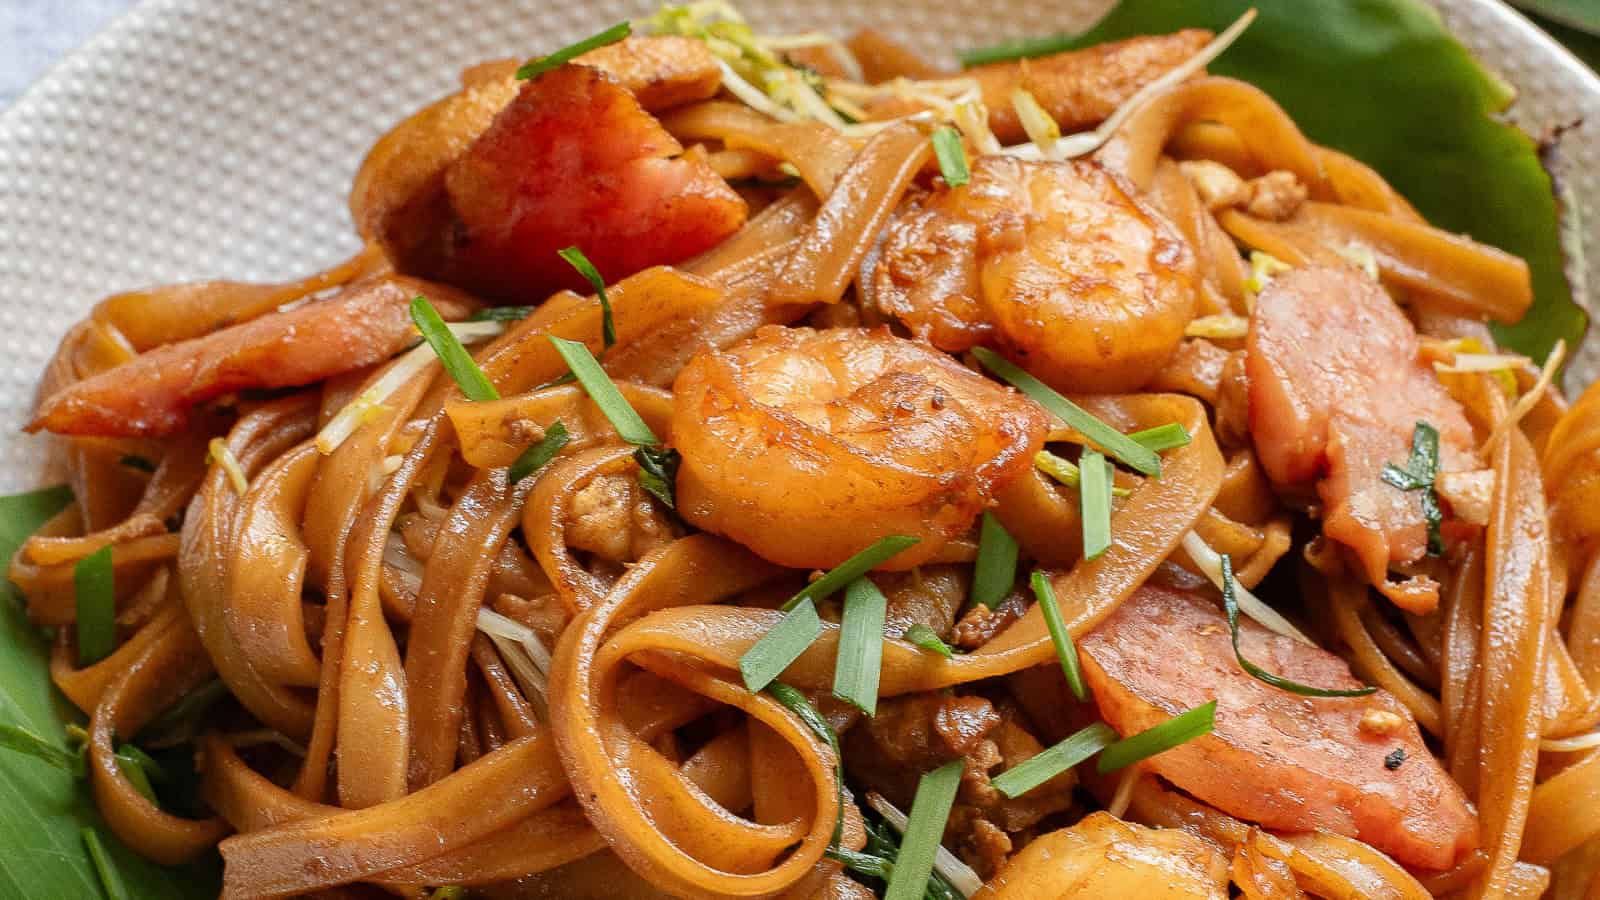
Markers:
<point>217,138</point>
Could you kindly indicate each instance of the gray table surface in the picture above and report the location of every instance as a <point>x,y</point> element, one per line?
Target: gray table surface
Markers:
<point>36,33</point>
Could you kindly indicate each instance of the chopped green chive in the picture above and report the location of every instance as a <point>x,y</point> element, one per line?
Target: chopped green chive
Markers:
<point>449,892</point>
<point>996,569</point>
<point>181,716</point>
<point>137,462</point>
<point>924,830</point>
<point>1021,49</point>
<point>796,702</point>
<point>501,314</point>
<point>1230,602</point>
<point>1066,650</point>
<point>594,379</point>
<point>539,455</point>
<point>1094,500</point>
<point>1170,436</point>
<point>1116,444</point>
<point>1066,472</point>
<point>876,553</point>
<point>1419,474</point>
<point>95,581</point>
<point>536,67</point>
<point>658,473</point>
<point>576,259</point>
<point>1052,761</point>
<point>153,769</point>
<point>104,866</point>
<point>21,740</point>
<point>929,640</point>
<point>767,658</point>
<point>952,156</point>
<point>860,660</point>
<point>133,770</point>
<point>1179,729</point>
<point>455,358</point>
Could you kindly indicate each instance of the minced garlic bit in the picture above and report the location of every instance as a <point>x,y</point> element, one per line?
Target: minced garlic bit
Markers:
<point>1469,494</point>
<point>1380,721</point>
<point>1276,195</point>
<point>1219,187</point>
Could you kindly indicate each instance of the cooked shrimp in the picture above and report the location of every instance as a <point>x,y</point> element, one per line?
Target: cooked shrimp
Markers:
<point>1102,856</point>
<point>806,446</point>
<point>151,394</point>
<point>574,160</point>
<point>1336,389</point>
<point>1282,760</point>
<point>1055,264</point>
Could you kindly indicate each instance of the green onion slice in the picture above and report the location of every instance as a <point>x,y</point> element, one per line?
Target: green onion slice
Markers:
<point>796,702</point>
<point>996,569</point>
<point>658,473</point>
<point>860,659</point>
<point>455,358</point>
<point>1094,499</point>
<point>840,576</point>
<point>536,67</point>
<point>1066,650</point>
<point>1050,762</point>
<point>449,892</point>
<point>21,740</point>
<point>105,866</point>
<point>1230,602</point>
<point>1420,473</point>
<point>539,455</point>
<point>929,640</point>
<point>1170,436</point>
<point>936,793</point>
<point>1119,446</point>
<point>576,259</point>
<point>1179,729</point>
<point>95,581</point>
<point>604,393</point>
<point>133,770</point>
<point>501,314</point>
<point>952,156</point>
<point>767,658</point>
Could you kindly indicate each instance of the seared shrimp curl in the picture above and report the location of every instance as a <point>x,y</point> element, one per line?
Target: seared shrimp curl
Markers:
<point>806,446</point>
<point>1056,265</point>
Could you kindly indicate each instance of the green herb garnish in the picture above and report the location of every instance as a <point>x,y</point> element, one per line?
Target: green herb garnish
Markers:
<point>1066,650</point>
<point>952,156</point>
<point>604,393</point>
<point>104,866</point>
<point>1116,444</point>
<point>658,473</point>
<point>133,770</point>
<point>837,578</point>
<point>536,67</point>
<point>929,640</point>
<point>456,360</point>
<point>1419,475</point>
<point>860,659</point>
<point>996,569</point>
<point>936,793</point>
<point>21,740</point>
<point>1170,436</point>
<point>1094,501</point>
<point>1052,761</point>
<point>95,581</point>
<point>1179,729</point>
<point>576,259</point>
<point>767,658</point>
<point>1230,602</point>
<point>501,314</point>
<point>539,455</point>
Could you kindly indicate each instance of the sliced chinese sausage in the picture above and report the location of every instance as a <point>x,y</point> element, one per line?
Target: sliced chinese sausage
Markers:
<point>807,446</point>
<point>1102,856</point>
<point>1056,265</point>
<point>1336,390</point>
<point>574,160</point>
<point>1288,762</point>
<point>151,395</point>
